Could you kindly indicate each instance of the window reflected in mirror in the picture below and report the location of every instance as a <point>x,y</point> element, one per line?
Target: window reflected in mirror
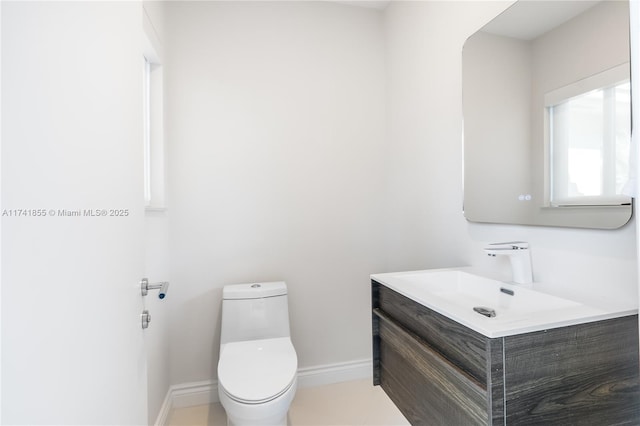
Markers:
<point>589,134</point>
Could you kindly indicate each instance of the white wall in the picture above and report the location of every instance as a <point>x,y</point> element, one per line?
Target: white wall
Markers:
<point>318,143</point>
<point>425,226</point>
<point>157,268</point>
<point>157,250</point>
<point>276,117</point>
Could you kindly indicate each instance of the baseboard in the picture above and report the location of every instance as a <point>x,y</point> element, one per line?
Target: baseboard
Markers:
<point>206,392</point>
<point>334,373</point>
<point>165,410</point>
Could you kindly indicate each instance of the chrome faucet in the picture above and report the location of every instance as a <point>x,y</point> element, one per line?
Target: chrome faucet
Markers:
<point>518,253</point>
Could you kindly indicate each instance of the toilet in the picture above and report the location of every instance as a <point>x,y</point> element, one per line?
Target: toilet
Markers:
<point>258,364</point>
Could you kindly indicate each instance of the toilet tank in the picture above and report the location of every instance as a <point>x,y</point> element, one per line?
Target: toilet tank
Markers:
<point>254,311</point>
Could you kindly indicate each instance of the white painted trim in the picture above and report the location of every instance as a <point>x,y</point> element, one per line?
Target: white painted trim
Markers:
<point>195,393</point>
<point>607,78</point>
<point>206,392</point>
<point>334,373</point>
<point>0,210</point>
<point>165,410</point>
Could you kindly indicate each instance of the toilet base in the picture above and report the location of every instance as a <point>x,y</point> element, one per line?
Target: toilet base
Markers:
<point>272,413</point>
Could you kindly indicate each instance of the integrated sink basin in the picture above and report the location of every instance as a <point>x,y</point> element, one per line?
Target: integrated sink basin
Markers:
<point>491,307</point>
<point>465,289</point>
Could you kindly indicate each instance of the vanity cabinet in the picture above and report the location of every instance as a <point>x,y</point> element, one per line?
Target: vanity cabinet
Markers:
<point>439,372</point>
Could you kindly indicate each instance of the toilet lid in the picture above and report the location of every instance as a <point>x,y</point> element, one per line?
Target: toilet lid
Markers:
<point>256,371</point>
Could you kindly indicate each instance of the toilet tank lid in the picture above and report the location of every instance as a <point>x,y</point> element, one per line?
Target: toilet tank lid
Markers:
<point>254,290</point>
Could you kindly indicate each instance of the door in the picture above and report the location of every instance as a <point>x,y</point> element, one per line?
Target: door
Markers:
<point>72,214</point>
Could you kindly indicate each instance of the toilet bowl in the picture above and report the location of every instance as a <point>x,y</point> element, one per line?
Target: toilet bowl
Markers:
<point>257,381</point>
<point>257,369</point>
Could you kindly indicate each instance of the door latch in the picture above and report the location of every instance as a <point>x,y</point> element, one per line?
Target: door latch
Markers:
<point>146,319</point>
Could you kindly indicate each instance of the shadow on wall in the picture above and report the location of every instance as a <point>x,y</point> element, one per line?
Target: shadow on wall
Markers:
<point>199,316</point>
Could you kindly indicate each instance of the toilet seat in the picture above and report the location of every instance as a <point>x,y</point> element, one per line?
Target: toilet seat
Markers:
<point>257,371</point>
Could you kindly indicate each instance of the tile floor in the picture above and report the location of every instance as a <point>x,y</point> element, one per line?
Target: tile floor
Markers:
<point>349,403</point>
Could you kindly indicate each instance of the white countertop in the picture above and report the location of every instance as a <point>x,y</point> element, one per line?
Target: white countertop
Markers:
<point>575,311</point>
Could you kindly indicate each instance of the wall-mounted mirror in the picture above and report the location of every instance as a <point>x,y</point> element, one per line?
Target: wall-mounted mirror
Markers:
<point>547,115</point>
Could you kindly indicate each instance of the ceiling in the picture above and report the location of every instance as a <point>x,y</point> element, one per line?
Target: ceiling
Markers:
<point>526,20</point>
